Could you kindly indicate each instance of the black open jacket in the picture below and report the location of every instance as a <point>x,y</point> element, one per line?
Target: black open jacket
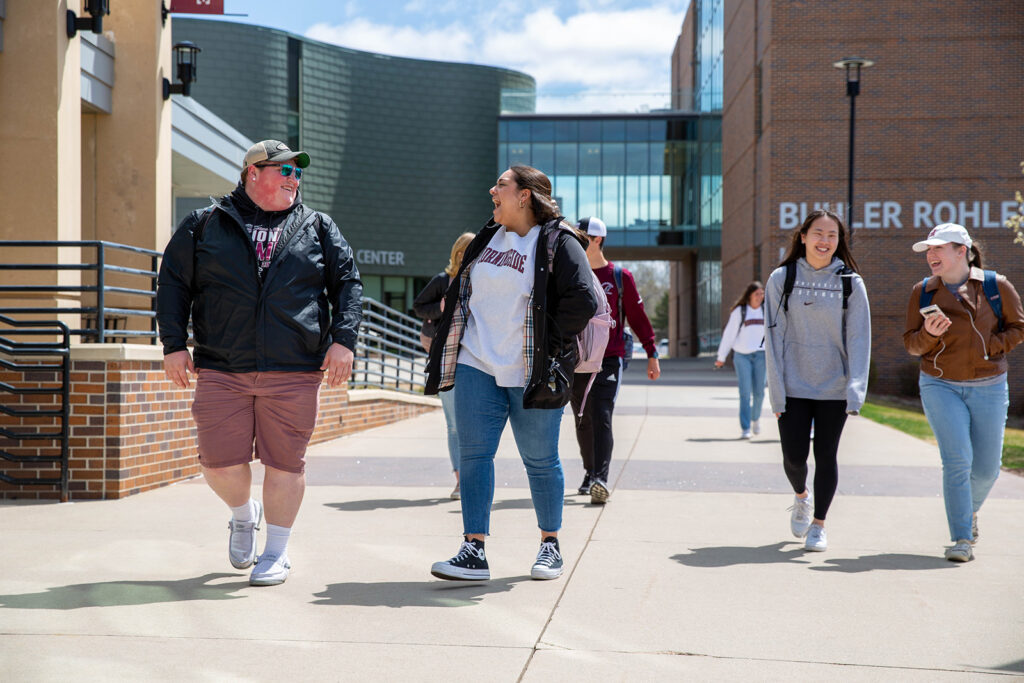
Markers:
<point>562,305</point>
<point>310,297</point>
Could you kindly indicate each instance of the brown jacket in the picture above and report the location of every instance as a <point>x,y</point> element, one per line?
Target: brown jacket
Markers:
<point>974,348</point>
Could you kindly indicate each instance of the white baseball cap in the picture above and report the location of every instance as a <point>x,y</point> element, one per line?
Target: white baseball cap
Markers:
<point>944,233</point>
<point>593,226</point>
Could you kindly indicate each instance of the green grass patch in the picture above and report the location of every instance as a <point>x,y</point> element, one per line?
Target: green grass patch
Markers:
<point>903,416</point>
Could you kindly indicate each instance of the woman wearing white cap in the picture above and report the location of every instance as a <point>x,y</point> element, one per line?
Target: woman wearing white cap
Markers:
<point>963,321</point>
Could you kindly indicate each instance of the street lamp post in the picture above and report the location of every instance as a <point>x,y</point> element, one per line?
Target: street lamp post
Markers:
<point>852,65</point>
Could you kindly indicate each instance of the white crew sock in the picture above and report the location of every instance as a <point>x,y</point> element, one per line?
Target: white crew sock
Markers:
<point>244,513</point>
<point>277,540</point>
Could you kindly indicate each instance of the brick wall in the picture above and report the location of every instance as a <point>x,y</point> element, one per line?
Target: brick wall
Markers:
<point>131,430</point>
<point>935,123</point>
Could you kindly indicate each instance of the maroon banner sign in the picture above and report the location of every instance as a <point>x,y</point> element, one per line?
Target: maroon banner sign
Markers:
<point>197,6</point>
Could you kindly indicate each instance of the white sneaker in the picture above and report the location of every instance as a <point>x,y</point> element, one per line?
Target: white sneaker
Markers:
<point>802,510</point>
<point>816,539</point>
<point>270,571</point>
<point>242,539</point>
<point>960,552</point>
<point>755,426</point>
<point>745,434</point>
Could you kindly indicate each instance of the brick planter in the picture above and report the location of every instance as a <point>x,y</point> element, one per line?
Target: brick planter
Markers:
<point>132,430</point>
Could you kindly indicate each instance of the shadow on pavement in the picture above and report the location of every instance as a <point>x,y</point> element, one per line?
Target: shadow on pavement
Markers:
<point>888,561</point>
<point>414,593</point>
<point>121,593</point>
<point>1015,667</point>
<point>728,556</point>
<point>758,442</point>
<point>386,504</point>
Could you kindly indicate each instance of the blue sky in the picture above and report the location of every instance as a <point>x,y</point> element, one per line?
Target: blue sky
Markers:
<point>586,55</point>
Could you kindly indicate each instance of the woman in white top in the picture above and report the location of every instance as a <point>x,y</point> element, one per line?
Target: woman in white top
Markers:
<point>744,336</point>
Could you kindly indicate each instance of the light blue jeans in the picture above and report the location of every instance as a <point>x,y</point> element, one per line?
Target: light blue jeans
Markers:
<point>448,408</point>
<point>483,408</point>
<point>968,423</point>
<point>750,373</point>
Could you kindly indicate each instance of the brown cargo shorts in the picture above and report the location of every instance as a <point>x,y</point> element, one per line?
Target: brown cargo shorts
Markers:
<point>276,410</point>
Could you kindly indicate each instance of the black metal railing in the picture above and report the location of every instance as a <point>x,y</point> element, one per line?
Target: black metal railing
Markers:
<point>100,321</point>
<point>49,366</point>
<point>388,352</point>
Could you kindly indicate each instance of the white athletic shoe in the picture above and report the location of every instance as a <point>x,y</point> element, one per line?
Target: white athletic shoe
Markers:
<point>755,427</point>
<point>816,539</point>
<point>802,510</point>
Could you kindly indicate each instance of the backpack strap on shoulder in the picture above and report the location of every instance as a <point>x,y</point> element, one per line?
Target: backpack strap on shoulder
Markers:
<point>621,309</point>
<point>926,297</point>
<point>743,314</point>
<point>991,289</point>
<point>787,287</point>
<point>846,276</point>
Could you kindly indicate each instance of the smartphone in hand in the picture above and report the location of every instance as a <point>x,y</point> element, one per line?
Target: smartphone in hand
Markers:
<point>931,310</point>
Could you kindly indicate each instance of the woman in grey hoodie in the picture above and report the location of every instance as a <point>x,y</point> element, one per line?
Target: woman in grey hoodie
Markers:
<point>818,344</point>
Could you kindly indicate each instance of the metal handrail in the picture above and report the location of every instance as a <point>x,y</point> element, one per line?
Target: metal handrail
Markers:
<point>388,354</point>
<point>100,313</point>
<point>49,328</point>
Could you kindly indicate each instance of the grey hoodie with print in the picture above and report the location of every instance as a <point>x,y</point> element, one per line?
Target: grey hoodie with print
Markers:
<point>810,352</point>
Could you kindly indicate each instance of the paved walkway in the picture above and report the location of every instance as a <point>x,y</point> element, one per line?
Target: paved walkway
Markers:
<point>688,573</point>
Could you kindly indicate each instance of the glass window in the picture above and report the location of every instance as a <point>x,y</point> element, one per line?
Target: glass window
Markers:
<point>543,157</point>
<point>614,130</point>
<point>590,158</point>
<point>590,131</point>
<point>609,202</point>
<point>636,158</point>
<point>372,286</point>
<point>566,131</point>
<point>588,197</point>
<point>502,158</point>
<point>519,131</point>
<point>518,154</point>
<point>637,131</point>
<point>613,158</point>
<point>543,131</point>
<point>502,131</point>
<point>565,157</point>
<point>564,188</point>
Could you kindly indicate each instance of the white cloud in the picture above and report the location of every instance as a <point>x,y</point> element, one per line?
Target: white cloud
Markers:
<point>448,44</point>
<point>620,56</point>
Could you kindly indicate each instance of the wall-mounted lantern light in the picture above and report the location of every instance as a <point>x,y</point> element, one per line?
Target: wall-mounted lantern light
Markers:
<point>96,10</point>
<point>186,54</point>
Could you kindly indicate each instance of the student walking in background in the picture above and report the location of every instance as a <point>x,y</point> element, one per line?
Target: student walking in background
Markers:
<point>594,416</point>
<point>427,305</point>
<point>506,347</point>
<point>962,321</point>
<point>818,346</point>
<point>744,336</point>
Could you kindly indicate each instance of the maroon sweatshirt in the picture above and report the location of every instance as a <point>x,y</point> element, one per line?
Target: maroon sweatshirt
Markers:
<point>635,315</point>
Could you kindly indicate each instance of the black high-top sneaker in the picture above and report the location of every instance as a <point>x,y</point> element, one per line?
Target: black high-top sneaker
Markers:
<point>470,564</point>
<point>584,489</point>
<point>549,560</point>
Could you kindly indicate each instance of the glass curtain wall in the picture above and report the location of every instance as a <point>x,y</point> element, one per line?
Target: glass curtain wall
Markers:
<point>637,173</point>
<point>708,100</point>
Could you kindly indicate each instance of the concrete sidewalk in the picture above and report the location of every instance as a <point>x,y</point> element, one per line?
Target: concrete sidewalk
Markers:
<point>689,572</point>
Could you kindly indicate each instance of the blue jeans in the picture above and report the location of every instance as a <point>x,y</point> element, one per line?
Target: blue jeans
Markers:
<point>968,423</point>
<point>448,408</point>
<point>750,373</point>
<point>483,408</point>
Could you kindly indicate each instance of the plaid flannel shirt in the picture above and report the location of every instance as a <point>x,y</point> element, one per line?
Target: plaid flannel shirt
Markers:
<point>452,343</point>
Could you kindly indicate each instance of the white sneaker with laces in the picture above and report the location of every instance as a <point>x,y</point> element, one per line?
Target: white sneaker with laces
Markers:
<point>801,510</point>
<point>270,571</point>
<point>549,560</point>
<point>755,427</point>
<point>816,539</point>
<point>242,539</point>
<point>745,434</point>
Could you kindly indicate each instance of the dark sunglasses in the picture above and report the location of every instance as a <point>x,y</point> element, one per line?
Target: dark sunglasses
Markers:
<point>286,169</point>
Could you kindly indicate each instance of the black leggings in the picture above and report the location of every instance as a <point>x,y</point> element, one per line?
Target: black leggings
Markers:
<point>795,432</point>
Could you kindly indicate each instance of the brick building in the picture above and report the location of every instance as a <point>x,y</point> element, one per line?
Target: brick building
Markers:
<point>939,137</point>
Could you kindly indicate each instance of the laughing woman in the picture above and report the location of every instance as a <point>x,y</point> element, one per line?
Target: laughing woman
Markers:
<point>505,346</point>
<point>818,346</point>
<point>963,340</point>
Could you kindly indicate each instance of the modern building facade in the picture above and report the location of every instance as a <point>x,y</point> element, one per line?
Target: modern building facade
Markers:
<point>938,138</point>
<point>403,150</point>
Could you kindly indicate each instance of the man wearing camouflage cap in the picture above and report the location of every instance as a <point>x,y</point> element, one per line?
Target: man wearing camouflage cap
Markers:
<point>275,301</point>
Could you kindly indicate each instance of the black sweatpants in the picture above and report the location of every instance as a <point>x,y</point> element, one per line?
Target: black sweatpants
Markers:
<point>829,417</point>
<point>594,429</point>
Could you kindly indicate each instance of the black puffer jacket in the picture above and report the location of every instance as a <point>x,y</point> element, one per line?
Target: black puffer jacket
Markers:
<point>311,295</point>
<point>562,306</point>
<point>427,304</point>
